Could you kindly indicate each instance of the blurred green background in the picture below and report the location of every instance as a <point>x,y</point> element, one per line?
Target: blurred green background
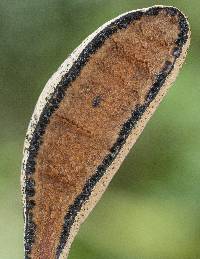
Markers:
<point>152,207</point>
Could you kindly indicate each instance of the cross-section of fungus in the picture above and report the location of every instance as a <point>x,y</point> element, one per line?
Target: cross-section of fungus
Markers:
<point>89,116</point>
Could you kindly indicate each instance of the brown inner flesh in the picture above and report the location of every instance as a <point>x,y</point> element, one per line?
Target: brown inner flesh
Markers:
<point>87,123</point>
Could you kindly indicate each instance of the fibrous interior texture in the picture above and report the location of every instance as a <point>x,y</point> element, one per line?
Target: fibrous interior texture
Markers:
<point>80,133</point>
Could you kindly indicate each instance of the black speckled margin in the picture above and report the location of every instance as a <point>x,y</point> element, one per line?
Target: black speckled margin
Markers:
<point>57,97</point>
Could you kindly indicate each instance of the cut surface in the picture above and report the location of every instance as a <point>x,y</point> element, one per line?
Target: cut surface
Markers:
<point>115,84</point>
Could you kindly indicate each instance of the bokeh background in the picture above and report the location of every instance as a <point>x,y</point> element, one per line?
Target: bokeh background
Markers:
<point>152,207</point>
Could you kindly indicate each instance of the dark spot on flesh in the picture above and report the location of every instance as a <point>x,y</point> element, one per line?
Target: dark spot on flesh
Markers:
<point>96,101</point>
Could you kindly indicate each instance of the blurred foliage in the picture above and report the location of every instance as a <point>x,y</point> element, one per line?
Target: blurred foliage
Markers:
<point>152,207</point>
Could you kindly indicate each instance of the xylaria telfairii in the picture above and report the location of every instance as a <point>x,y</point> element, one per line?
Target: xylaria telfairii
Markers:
<point>88,117</point>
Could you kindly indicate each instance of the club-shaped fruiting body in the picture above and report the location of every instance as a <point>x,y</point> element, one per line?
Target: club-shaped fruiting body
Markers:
<point>89,115</point>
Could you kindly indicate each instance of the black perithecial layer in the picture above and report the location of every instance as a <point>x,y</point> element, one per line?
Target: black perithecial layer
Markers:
<point>53,104</point>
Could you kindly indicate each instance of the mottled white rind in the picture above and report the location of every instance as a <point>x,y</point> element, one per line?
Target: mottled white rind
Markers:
<point>105,180</point>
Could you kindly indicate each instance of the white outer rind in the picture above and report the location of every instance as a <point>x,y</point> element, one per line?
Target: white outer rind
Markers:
<point>44,98</point>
